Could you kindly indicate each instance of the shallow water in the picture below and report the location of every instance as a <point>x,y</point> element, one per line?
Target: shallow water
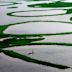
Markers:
<point>57,38</point>
<point>55,54</point>
<point>39,28</point>
<point>49,12</point>
<point>8,64</point>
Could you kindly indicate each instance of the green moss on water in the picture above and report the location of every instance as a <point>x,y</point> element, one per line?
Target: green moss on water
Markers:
<point>12,13</point>
<point>53,5</point>
<point>11,42</point>
<point>32,35</point>
<point>11,3</point>
<point>7,44</point>
<point>29,59</point>
<point>12,7</point>
<point>2,28</point>
<point>69,11</point>
<point>14,42</point>
<point>51,43</point>
<point>71,18</point>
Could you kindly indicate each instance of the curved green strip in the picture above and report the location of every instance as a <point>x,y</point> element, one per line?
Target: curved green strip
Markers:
<point>52,5</point>
<point>12,3</point>
<point>11,13</point>
<point>29,59</point>
<point>31,35</point>
<point>51,43</point>
<point>23,42</point>
<point>71,18</point>
<point>17,41</point>
<point>69,11</point>
<point>12,7</point>
<point>37,21</point>
<point>3,27</point>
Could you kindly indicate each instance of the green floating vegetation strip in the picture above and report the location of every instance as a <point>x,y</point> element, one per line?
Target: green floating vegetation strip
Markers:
<point>29,59</point>
<point>22,35</point>
<point>4,35</point>
<point>69,11</point>
<point>32,35</point>
<point>53,5</point>
<point>12,3</point>
<point>23,42</point>
<point>17,42</point>
<point>51,43</point>
<point>12,13</point>
<point>71,18</point>
<point>2,28</point>
<point>12,7</point>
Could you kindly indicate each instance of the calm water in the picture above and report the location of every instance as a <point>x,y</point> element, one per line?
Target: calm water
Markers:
<point>55,54</point>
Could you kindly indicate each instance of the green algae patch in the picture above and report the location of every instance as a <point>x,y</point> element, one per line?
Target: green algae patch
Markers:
<point>51,43</point>
<point>10,3</point>
<point>31,13</point>
<point>53,5</point>
<point>11,42</point>
<point>32,35</point>
<point>12,7</point>
<point>3,27</point>
<point>29,59</point>
<point>71,18</point>
<point>4,35</point>
<point>69,11</point>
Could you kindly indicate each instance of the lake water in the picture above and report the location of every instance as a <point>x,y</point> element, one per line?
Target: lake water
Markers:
<point>26,20</point>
